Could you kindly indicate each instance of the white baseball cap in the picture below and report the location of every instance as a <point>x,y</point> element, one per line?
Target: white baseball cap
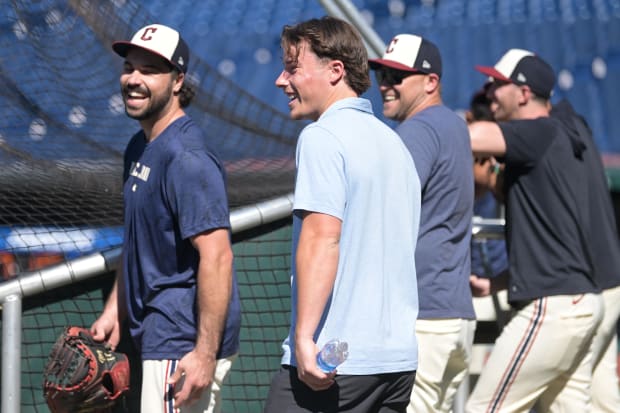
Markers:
<point>523,67</point>
<point>410,53</point>
<point>160,40</point>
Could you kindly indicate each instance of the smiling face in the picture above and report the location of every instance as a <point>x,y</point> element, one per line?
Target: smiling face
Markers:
<point>306,81</point>
<point>406,93</point>
<point>148,84</point>
<point>506,99</point>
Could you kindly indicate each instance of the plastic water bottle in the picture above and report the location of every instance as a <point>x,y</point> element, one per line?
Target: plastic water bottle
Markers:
<point>333,354</point>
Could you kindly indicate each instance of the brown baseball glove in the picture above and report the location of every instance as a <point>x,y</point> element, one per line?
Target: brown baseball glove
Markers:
<point>83,375</point>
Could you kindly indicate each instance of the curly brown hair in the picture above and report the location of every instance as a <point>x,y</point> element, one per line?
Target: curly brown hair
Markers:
<point>186,94</point>
<point>333,39</point>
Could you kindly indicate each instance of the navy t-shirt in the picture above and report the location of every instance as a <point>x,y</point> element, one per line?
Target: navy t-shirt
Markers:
<point>547,210</point>
<point>174,189</point>
<point>439,143</point>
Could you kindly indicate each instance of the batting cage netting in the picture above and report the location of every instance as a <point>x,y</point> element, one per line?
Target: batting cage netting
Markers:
<point>63,131</point>
<point>62,134</point>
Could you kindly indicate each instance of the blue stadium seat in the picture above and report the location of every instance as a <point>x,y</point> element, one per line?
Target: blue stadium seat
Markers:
<point>467,33</point>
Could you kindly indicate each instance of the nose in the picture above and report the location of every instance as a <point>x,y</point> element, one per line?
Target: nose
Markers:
<point>131,77</point>
<point>383,80</point>
<point>491,91</point>
<point>282,80</point>
<point>384,85</point>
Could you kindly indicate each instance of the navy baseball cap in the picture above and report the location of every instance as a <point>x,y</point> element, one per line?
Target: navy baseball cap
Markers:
<point>160,40</point>
<point>523,67</point>
<point>410,53</point>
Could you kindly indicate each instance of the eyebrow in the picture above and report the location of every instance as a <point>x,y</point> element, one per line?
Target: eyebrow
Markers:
<point>289,61</point>
<point>151,66</point>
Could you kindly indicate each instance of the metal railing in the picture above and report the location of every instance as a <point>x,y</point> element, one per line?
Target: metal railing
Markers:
<point>12,292</point>
<point>27,284</point>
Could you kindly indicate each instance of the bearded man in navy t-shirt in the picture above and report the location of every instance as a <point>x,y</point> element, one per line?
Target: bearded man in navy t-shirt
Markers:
<point>176,288</point>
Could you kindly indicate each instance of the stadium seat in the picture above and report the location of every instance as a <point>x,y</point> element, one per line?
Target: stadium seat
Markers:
<point>8,265</point>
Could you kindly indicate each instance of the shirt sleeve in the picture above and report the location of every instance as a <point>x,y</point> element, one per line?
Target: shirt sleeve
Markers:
<point>526,141</point>
<point>197,193</point>
<point>321,183</point>
<point>423,144</point>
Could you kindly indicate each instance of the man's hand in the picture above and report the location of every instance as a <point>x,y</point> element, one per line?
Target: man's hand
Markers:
<point>480,287</point>
<point>483,172</point>
<point>107,328</point>
<point>307,369</point>
<point>193,376</point>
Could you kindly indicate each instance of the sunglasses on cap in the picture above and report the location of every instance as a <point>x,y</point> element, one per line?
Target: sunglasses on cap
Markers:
<point>392,76</point>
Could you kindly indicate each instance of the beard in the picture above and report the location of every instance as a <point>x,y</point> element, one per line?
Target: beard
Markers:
<point>157,104</point>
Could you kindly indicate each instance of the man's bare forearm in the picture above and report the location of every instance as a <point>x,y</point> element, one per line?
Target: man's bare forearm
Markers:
<point>214,290</point>
<point>317,264</point>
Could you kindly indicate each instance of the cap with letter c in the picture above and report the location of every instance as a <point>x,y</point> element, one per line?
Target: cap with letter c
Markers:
<point>160,40</point>
<point>410,53</point>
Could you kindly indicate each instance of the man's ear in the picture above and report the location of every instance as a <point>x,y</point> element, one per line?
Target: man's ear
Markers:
<point>431,83</point>
<point>336,71</point>
<point>525,94</point>
<point>178,83</point>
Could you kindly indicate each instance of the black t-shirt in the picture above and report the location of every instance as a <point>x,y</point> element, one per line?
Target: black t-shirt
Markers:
<point>603,239</point>
<point>547,210</point>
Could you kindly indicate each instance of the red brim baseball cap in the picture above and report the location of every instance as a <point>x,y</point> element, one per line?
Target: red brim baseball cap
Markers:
<point>523,67</point>
<point>492,72</point>
<point>410,53</point>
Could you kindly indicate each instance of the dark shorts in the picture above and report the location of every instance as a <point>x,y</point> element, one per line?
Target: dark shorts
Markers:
<point>378,393</point>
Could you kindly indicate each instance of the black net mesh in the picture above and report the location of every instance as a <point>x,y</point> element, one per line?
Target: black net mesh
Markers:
<point>262,265</point>
<point>63,129</point>
<point>62,134</point>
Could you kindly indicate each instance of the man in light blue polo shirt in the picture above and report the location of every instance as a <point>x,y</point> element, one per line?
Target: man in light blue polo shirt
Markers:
<point>356,218</point>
